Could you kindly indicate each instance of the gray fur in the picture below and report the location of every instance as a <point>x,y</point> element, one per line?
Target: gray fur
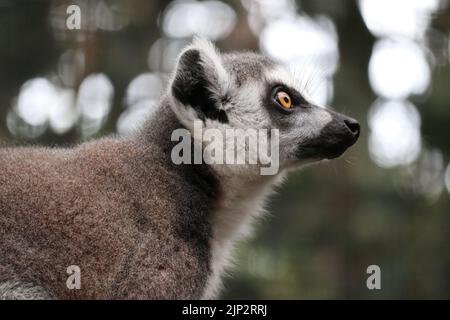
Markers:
<point>137,225</point>
<point>117,208</point>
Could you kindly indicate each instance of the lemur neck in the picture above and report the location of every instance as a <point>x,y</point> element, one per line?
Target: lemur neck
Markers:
<point>231,219</point>
<point>235,199</point>
<point>240,203</point>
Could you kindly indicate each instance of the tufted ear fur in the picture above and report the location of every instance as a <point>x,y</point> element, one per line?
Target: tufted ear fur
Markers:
<point>200,84</point>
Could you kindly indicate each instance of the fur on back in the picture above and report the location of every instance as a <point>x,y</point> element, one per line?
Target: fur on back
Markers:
<point>117,208</point>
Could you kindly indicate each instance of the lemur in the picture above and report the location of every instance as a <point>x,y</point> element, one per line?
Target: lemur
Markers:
<point>138,225</point>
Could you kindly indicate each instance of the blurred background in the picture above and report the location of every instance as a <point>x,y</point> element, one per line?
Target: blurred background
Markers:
<point>384,62</point>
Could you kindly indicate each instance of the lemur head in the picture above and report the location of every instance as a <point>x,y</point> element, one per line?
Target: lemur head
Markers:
<point>248,90</point>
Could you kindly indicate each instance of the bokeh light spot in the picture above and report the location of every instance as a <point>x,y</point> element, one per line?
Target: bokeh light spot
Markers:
<point>407,18</point>
<point>398,68</point>
<point>395,133</point>
<point>211,19</point>
<point>95,96</point>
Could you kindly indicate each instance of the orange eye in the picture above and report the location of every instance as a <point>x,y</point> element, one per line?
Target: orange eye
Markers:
<point>283,99</point>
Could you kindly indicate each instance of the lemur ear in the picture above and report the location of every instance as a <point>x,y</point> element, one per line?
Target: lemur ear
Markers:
<point>199,84</point>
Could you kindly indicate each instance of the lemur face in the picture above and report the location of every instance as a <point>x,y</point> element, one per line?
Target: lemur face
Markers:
<point>248,90</point>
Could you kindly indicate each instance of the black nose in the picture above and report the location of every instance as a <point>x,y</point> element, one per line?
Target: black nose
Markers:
<point>353,126</point>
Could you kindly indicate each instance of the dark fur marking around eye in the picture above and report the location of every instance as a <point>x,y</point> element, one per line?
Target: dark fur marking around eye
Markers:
<point>191,87</point>
<point>296,97</point>
<point>282,118</point>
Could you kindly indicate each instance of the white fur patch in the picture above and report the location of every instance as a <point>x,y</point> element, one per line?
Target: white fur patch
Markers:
<point>242,202</point>
<point>209,51</point>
